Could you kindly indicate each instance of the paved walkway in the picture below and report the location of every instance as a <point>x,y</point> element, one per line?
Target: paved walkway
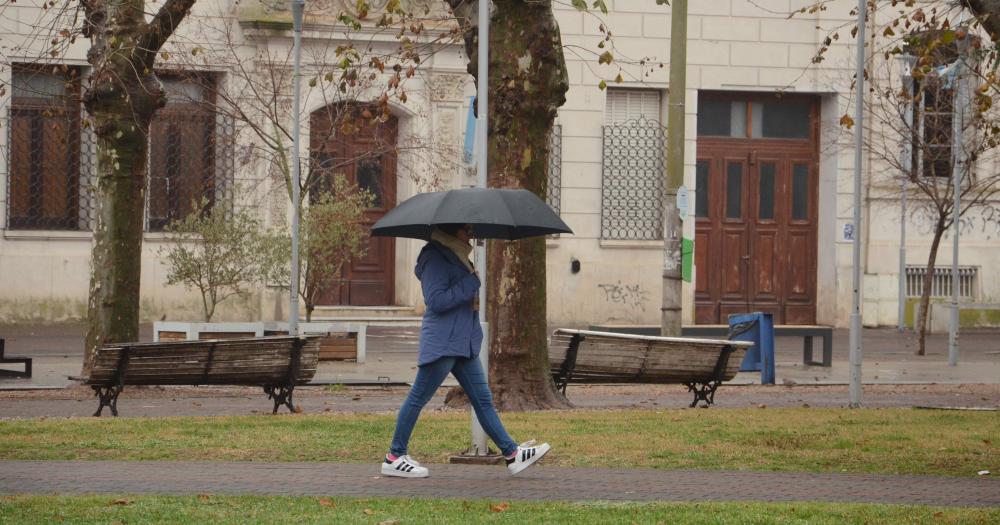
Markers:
<point>475,482</point>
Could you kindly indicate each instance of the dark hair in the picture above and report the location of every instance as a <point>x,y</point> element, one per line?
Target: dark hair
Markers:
<point>451,228</point>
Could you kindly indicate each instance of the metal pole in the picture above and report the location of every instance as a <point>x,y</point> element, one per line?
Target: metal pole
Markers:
<point>958,165</point>
<point>670,309</point>
<point>479,446</point>
<point>906,162</point>
<point>298,6</point>
<point>855,337</point>
<point>901,314</point>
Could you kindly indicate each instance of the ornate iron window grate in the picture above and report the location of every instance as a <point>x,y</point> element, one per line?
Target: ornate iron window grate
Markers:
<point>632,180</point>
<point>48,153</point>
<point>192,161</point>
<point>941,281</point>
<point>52,163</point>
<point>553,193</point>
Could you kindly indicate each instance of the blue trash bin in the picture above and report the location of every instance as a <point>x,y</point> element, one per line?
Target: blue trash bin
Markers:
<point>758,328</point>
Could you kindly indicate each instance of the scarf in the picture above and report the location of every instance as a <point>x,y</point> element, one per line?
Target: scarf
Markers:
<point>461,249</point>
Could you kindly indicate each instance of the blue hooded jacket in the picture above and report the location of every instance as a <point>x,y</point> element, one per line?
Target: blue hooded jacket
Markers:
<point>450,327</point>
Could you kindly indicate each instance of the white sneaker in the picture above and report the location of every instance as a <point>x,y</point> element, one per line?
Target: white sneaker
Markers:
<point>527,454</point>
<point>404,467</point>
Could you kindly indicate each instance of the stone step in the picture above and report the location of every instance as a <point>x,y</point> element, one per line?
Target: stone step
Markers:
<point>373,315</point>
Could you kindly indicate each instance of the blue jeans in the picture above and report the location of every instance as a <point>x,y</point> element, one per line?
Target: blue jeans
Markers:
<point>469,373</point>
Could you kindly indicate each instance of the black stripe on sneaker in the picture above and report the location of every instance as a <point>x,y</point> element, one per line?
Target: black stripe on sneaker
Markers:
<point>400,466</point>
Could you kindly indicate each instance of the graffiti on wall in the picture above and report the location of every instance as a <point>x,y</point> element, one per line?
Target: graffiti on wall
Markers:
<point>630,295</point>
<point>983,220</point>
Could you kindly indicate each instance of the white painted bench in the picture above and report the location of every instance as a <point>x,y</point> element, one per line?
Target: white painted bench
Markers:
<point>179,331</point>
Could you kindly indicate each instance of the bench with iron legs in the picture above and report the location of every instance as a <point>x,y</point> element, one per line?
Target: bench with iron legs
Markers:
<point>585,356</point>
<point>277,364</point>
<point>26,361</point>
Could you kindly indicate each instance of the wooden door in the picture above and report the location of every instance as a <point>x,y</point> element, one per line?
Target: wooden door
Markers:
<point>755,229</point>
<point>366,156</point>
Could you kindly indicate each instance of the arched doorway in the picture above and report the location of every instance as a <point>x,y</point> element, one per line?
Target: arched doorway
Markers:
<point>350,139</point>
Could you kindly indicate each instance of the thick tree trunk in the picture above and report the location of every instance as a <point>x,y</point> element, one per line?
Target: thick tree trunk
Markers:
<point>122,96</point>
<point>988,12</point>
<point>527,84</point>
<point>925,293</point>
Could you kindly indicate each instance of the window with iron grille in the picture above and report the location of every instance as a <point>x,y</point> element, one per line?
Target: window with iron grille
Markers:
<point>933,115</point>
<point>941,281</point>
<point>553,194</point>
<point>45,191</point>
<point>189,151</point>
<point>934,104</point>
<point>632,166</point>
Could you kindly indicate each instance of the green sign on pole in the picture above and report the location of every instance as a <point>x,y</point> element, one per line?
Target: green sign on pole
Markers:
<point>687,259</point>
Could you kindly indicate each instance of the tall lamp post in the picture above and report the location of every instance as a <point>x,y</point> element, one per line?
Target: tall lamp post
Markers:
<point>959,165</point>
<point>298,6</point>
<point>906,63</point>
<point>479,447</point>
<point>855,332</point>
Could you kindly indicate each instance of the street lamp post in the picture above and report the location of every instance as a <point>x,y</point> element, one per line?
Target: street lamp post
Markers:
<point>479,446</point>
<point>855,332</point>
<point>906,63</point>
<point>298,6</point>
<point>959,165</point>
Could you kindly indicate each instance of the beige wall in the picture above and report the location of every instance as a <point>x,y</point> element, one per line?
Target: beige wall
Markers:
<point>733,45</point>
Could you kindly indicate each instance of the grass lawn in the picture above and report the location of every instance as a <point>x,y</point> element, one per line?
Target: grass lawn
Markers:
<point>27,510</point>
<point>891,441</point>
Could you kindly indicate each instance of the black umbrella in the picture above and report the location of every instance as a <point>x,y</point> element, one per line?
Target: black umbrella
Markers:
<point>493,214</point>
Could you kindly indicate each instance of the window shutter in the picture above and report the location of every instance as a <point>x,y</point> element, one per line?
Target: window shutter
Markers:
<point>630,104</point>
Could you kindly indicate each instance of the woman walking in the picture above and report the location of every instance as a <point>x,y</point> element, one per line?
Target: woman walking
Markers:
<point>450,339</point>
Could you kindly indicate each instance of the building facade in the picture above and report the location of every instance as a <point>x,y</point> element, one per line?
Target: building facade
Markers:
<point>768,167</point>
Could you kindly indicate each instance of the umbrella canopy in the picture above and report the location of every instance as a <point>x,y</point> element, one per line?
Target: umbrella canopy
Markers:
<point>493,213</point>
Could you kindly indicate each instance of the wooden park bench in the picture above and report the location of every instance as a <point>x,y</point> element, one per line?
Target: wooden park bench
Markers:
<point>584,356</point>
<point>26,361</point>
<point>278,364</point>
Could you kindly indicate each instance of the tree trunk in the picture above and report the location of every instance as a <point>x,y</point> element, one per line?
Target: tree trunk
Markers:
<point>528,83</point>
<point>920,323</point>
<point>122,96</point>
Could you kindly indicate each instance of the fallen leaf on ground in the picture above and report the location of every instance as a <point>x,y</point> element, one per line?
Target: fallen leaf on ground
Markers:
<point>326,502</point>
<point>368,512</point>
<point>393,521</point>
<point>500,507</point>
<point>204,497</point>
<point>121,501</point>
